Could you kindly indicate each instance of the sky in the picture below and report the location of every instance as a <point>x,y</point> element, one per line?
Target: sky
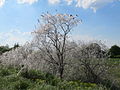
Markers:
<point>100,19</point>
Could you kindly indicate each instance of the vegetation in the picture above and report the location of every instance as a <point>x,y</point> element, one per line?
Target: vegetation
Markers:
<point>36,80</point>
<point>53,62</point>
<point>6,48</point>
<point>115,51</point>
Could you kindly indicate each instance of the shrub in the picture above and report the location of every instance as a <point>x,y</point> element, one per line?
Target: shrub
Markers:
<point>51,79</point>
<point>33,75</point>
<point>21,85</point>
<point>44,81</point>
<point>39,81</point>
<point>4,72</point>
<point>76,85</point>
<point>44,87</point>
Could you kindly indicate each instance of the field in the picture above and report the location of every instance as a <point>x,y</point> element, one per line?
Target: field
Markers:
<point>36,80</point>
<point>116,70</point>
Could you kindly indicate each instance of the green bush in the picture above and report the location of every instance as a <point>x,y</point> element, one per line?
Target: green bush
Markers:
<point>39,81</point>
<point>51,79</point>
<point>45,87</point>
<point>39,76</point>
<point>33,75</point>
<point>36,80</point>
<point>21,85</point>
<point>76,85</point>
<point>4,72</point>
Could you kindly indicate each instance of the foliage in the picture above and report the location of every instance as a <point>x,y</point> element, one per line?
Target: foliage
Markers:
<point>33,75</point>
<point>91,62</point>
<point>16,46</point>
<point>14,82</point>
<point>115,51</point>
<point>4,49</point>
<point>94,55</point>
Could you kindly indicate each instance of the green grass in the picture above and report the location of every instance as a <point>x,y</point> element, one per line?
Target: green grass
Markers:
<point>115,71</point>
<point>36,80</point>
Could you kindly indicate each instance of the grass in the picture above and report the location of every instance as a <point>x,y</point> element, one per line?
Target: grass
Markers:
<point>115,71</point>
<point>36,80</point>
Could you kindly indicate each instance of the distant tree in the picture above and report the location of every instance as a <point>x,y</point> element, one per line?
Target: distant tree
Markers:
<point>114,51</point>
<point>17,57</point>
<point>16,46</point>
<point>4,49</point>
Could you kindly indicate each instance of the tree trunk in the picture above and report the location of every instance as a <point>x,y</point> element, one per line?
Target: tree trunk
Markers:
<point>61,69</point>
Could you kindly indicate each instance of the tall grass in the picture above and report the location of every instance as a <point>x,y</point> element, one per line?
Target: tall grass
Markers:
<point>36,80</point>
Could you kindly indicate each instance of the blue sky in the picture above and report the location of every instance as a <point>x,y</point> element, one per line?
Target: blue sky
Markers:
<point>101,19</point>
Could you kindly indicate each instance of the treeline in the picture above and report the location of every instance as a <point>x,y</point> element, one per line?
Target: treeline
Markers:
<point>6,48</point>
<point>114,50</point>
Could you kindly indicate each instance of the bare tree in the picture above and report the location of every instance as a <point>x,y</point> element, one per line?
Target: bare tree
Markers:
<point>51,37</point>
<point>93,59</point>
<point>18,56</point>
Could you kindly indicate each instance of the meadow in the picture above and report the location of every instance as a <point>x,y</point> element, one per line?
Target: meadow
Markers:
<point>37,80</point>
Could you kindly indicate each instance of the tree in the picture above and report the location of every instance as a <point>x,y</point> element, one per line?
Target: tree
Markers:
<point>17,57</point>
<point>51,38</point>
<point>114,50</point>
<point>4,49</point>
<point>92,61</point>
<point>16,46</point>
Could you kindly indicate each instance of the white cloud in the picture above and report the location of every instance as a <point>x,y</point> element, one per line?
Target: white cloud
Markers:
<point>87,38</point>
<point>69,2</point>
<point>14,36</point>
<point>93,4</point>
<point>26,1</point>
<point>54,1</point>
<point>85,4</point>
<point>2,2</point>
